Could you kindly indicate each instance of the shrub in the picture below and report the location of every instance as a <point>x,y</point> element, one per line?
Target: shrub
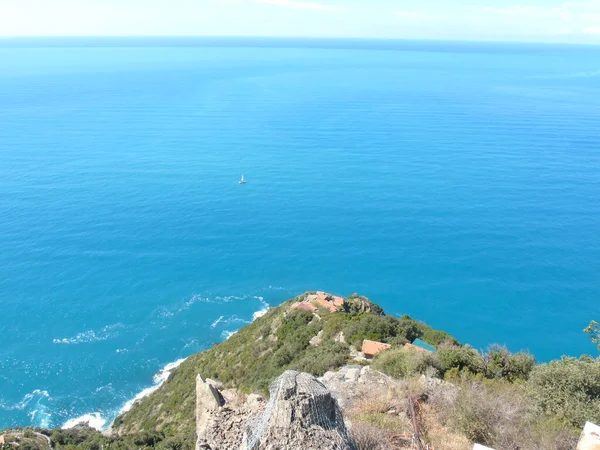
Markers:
<point>409,328</point>
<point>437,337</point>
<point>403,363</point>
<point>318,360</point>
<point>179,442</point>
<point>459,358</point>
<point>502,415</point>
<point>397,341</point>
<point>381,328</point>
<point>369,437</point>
<point>375,328</point>
<point>357,304</point>
<point>499,363</point>
<point>569,389</point>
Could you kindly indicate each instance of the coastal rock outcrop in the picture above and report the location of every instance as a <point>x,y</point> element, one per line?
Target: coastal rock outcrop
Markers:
<point>301,413</point>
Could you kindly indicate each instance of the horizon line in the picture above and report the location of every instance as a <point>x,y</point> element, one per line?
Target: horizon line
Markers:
<point>323,38</point>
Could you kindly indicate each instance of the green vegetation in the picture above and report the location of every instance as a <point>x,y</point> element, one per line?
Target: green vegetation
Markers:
<point>569,389</point>
<point>504,399</point>
<point>593,330</point>
<point>496,397</point>
<point>497,363</point>
<point>258,353</point>
<point>404,363</point>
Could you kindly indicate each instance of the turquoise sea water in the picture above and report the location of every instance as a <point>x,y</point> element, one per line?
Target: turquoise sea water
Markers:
<point>458,183</point>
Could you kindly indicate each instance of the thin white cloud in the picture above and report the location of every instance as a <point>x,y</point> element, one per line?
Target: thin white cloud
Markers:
<point>582,15</point>
<point>592,30</point>
<point>510,11</point>
<point>408,14</point>
<point>300,4</point>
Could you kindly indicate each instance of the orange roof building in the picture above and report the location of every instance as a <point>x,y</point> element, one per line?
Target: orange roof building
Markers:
<point>371,348</point>
<point>313,302</point>
<point>305,306</point>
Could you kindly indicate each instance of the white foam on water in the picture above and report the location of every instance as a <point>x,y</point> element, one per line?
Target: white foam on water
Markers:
<point>262,311</point>
<point>227,334</point>
<point>38,394</point>
<point>159,378</point>
<point>276,288</point>
<point>93,420</point>
<point>105,333</point>
<point>39,414</point>
<point>216,322</point>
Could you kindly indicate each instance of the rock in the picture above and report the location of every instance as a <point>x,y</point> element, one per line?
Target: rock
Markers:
<point>339,338</point>
<point>356,355</point>
<point>217,384</point>
<point>436,388</point>
<point>316,340</point>
<point>352,374</point>
<point>255,402</point>
<point>301,413</point>
<point>354,381</point>
<point>208,402</point>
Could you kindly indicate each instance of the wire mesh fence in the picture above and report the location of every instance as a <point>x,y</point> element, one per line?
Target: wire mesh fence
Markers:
<point>301,413</point>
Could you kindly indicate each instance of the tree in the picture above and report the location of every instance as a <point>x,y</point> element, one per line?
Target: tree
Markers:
<point>593,330</point>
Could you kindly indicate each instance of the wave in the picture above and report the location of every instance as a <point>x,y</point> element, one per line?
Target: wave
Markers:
<point>228,320</point>
<point>97,421</point>
<point>227,334</point>
<point>93,420</point>
<point>277,288</point>
<point>216,322</point>
<point>262,311</point>
<point>38,394</point>
<point>104,334</point>
<point>159,378</point>
<point>166,312</point>
<point>39,415</point>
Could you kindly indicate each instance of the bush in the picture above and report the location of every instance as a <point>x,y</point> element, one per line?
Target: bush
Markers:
<point>369,437</point>
<point>403,363</point>
<point>179,442</point>
<point>357,304</point>
<point>437,337</point>
<point>459,358</point>
<point>502,415</point>
<point>381,328</point>
<point>318,360</point>
<point>569,389</point>
<point>499,363</point>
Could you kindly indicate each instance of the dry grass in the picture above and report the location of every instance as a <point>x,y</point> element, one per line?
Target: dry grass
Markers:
<point>501,415</point>
<point>369,437</point>
<point>440,436</point>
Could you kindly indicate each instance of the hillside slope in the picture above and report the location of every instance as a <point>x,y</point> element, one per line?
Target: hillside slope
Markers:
<point>258,353</point>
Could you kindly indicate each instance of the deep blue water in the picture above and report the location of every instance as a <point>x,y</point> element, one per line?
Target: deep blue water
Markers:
<point>458,183</point>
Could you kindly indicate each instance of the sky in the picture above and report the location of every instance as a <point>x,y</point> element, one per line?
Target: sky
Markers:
<point>475,20</point>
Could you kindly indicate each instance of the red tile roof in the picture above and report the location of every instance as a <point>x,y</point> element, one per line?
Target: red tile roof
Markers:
<point>305,306</point>
<point>313,302</point>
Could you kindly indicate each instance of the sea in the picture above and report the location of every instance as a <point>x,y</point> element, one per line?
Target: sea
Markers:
<point>455,182</point>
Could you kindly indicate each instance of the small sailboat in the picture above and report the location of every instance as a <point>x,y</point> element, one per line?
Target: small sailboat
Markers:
<point>242,181</point>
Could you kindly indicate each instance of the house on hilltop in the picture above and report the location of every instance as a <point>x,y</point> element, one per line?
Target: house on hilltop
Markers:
<point>312,302</point>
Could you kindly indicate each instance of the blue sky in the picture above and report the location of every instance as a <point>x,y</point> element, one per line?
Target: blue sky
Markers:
<point>497,20</point>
